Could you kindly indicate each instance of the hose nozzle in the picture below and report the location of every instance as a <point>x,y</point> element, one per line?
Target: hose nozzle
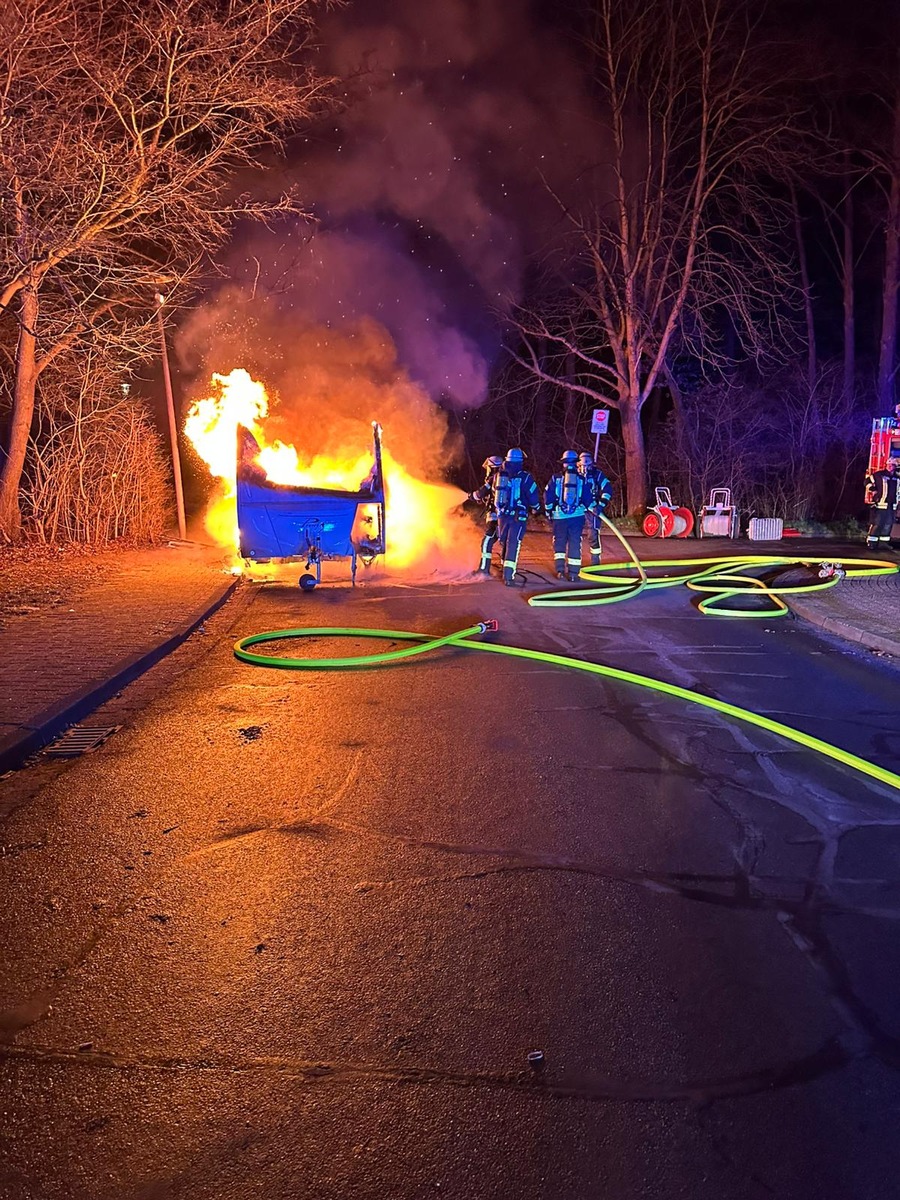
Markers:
<point>489,626</point>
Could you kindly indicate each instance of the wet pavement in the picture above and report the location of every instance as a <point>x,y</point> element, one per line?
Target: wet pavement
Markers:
<point>292,934</point>
<point>75,627</point>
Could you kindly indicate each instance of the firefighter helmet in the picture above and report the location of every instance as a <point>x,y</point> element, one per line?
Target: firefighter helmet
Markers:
<point>493,462</point>
<point>585,459</point>
<point>515,455</point>
<point>569,457</point>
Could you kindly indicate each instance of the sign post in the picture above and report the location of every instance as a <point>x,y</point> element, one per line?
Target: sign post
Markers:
<point>599,424</point>
<point>173,424</point>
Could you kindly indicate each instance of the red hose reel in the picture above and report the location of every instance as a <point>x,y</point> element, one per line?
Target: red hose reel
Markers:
<point>665,519</point>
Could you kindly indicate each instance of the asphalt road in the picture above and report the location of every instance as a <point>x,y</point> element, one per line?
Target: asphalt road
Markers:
<point>290,935</point>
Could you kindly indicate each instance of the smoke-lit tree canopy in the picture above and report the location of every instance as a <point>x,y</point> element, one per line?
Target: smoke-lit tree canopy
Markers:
<point>122,128</point>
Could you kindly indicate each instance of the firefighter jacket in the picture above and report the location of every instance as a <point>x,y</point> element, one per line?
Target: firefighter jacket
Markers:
<point>601,489</point>
<point>568,494</point>
<point>515,494</point>
<point>883,487</point>
<point>485,495</point>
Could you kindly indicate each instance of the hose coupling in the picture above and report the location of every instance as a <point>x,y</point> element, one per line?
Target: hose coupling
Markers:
<point>489,626</point>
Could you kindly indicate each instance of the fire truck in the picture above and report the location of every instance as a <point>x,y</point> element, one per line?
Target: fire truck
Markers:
<point>885,444</point>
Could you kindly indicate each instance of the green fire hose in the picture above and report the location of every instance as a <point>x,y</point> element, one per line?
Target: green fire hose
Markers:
<point>717,578</point>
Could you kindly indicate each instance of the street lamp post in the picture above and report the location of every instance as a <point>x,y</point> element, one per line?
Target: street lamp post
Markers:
<point>173,427</point>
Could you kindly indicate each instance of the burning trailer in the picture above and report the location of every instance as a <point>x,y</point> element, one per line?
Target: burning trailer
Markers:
<point>283,523</point>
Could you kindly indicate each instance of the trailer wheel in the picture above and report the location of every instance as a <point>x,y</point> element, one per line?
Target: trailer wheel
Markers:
<point>652,524</point>
<point>684,522</point>
<point>307,582</point>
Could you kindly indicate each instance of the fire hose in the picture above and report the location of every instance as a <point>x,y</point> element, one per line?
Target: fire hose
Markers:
<point>721,579</point>
<point>723,584</point>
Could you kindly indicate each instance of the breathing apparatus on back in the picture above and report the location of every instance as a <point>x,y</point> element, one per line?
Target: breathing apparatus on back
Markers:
<point>508,486</point>
<point>570,486</point>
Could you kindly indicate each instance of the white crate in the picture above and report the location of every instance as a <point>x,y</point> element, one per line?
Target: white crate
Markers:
<point>765,529</point>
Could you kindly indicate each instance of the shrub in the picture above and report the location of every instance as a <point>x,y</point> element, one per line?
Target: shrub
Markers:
<point>95,470</point>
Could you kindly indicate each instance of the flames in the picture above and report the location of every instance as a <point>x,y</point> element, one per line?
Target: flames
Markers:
<point>422,529</point>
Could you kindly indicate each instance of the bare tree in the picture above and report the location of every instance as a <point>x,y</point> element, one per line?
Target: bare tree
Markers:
<point>812,370</point>
<point>683,236</point>
<point>890,164</point>
<point>848,289</point>
<point>839,220</point>
<point>123,124</point>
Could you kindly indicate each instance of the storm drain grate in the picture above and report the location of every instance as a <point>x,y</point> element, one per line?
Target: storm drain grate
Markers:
<point>80,739</point>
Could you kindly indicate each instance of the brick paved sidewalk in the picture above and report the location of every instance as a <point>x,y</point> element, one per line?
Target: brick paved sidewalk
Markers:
<point>75,629</point>
<point>866,611</point>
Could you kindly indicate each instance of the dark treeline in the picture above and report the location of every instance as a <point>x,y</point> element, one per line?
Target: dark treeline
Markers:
<point>728,283</point>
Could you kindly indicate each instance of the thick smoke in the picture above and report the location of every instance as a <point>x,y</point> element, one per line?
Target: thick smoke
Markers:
<point>461,113</point>
<point>327,382</point>
<point>429,187</point>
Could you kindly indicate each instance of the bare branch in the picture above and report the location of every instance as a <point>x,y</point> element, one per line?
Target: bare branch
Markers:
<point>683,231</point>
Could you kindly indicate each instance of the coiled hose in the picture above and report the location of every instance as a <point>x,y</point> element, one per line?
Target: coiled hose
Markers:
<point>717,578</point>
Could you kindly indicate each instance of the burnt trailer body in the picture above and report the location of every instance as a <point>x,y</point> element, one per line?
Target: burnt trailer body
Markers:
<point>308,524</point>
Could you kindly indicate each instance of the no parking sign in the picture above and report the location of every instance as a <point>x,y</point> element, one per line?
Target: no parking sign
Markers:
<point>599,424</point>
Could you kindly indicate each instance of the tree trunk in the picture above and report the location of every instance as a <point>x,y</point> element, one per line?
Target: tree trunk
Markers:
<point>847,273</point>
<point>572,399</point>
<point>811,365</point>
<point>888,344</point>
<point>636,486</point>
<point>684,442</point>
<point>24,386</point>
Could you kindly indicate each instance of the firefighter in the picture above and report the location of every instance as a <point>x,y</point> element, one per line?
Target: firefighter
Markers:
<point>883,490</point>
<point>567,498</point>
<point>601,494</point>
<point>485,495</point>
<point>515,496</point>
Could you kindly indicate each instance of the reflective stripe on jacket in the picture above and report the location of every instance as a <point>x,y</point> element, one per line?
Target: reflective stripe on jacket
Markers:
<point>884,489</point>
<point>601,489</point>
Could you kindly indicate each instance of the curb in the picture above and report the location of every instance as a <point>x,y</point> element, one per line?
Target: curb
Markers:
<point>850,633</point>
<point>16,747</point>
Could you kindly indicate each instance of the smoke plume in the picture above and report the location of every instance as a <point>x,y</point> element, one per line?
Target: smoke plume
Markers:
<point>430,186</point>
<point>430,189</point>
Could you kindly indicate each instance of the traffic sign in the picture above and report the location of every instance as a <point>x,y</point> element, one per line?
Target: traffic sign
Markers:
<point>600,421</point>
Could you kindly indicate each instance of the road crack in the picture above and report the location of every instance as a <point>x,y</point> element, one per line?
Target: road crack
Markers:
<point>586,1086</point>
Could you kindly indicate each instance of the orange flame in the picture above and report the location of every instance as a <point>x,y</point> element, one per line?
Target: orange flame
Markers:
<point>420,528</point>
